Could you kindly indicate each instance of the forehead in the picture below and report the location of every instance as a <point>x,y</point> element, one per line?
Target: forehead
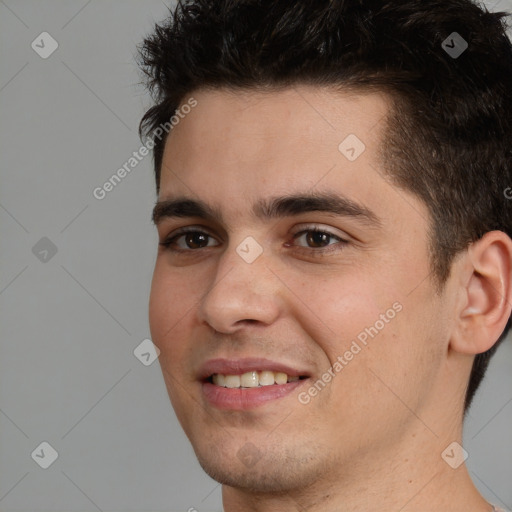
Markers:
<point>239,123</point>
<point>236,147</point>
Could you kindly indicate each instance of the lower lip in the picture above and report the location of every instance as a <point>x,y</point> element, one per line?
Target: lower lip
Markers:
<point>246,398</point>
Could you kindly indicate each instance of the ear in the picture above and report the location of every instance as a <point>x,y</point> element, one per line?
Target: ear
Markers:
<point>486,294</point>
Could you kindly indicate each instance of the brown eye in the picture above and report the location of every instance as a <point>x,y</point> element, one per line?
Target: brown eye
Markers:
<point>196,240</point>
<point>317,239</point>
<point>188,241</point>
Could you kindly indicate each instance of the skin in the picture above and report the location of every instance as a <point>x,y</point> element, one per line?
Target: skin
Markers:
<point>372,438</point>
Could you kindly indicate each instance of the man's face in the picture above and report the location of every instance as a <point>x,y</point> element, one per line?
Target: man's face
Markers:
<point>352,310</point>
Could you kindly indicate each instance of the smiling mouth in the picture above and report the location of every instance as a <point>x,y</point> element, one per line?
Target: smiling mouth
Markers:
<point>253,379</point>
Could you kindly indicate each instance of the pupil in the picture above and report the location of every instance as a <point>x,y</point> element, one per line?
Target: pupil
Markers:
<point>317,238</point>
<point>195,239</point>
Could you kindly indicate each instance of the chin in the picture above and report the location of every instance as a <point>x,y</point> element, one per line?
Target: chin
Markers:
<point>258,481</point>
<point>279,470</point>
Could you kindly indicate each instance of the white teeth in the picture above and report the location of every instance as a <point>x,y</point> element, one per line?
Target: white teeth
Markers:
<point>252,379</point>
<point>281,378</point>
<point>266,378</point>
<point>219,379</point>
<point>232,381</point>
<point>249,380</point>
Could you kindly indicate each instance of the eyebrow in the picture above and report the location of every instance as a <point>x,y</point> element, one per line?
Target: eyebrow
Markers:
<point>274,207</point>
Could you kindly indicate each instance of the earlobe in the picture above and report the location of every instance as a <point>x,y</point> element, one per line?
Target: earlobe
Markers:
<point>488,294</point>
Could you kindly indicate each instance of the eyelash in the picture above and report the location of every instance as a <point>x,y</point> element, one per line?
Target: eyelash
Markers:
<point>316,251</point>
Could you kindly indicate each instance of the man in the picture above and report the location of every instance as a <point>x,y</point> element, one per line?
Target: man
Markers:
<point>335,259</point>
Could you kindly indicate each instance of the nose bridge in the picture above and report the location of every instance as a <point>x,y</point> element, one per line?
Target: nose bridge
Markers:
<point>244,289</point>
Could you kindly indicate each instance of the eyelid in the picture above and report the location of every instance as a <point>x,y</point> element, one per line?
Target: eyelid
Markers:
<point>188,229</point>
<point>322,228</point>
<point>170,239</point>
<point>299,230</point>
<point>330,249</point>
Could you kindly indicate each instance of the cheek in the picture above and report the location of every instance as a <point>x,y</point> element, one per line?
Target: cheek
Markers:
<point>344,303</point>
<point>366,322</point>
<point>170,303</point>
<point>170,309</point>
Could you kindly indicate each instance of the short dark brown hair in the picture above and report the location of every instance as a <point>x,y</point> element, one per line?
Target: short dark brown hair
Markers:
<point>449,134</point>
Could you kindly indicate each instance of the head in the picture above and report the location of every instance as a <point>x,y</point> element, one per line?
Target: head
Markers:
<point>277,89</point>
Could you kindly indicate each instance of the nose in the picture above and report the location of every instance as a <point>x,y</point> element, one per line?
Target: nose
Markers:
<point>242,293</point>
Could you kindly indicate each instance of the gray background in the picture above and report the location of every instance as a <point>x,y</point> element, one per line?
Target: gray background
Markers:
<point>69,325</point>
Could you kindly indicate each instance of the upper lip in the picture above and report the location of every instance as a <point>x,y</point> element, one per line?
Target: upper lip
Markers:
<point>244,365</point>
